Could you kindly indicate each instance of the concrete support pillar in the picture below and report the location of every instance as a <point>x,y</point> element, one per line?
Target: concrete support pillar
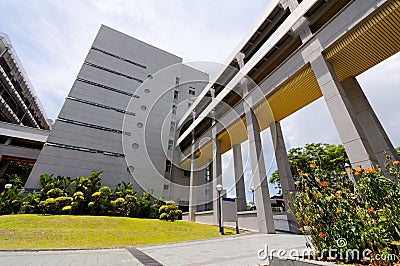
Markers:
<point>373,130</point>
<point>263,202</point>
<point>285,174</point>
<point>350,131</point>
<point>216,173</point>
<point>192,184</point>
<point>239,178</point>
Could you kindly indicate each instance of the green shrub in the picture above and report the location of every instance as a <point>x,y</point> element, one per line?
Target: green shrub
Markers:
<point>169,211</point>
<point>10,201</point>
<point>66,209</point>
<point>55,193</point>
<point>31,203</point>
<point>49,206</point>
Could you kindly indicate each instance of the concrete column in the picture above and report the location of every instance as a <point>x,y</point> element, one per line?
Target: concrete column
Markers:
<point>239,178</point>
<point>373,130</point>
<point>263,202</point>
<point>216,173</point>
<point>350,131</point>
<point>285,174</point>
<point>192,184</point>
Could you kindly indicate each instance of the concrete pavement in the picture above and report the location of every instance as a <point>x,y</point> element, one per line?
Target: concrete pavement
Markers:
<point>231,250</point>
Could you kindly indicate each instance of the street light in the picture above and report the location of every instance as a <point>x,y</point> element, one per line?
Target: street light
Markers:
<point>219,188</point>
<point>252,189</point>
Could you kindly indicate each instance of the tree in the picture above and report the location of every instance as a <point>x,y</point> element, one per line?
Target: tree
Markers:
<point>329,157</point>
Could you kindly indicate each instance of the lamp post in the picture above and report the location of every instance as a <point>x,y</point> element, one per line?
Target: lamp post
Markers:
<point>252,189</point>
<point>219,189</point>
<point>350,174</point>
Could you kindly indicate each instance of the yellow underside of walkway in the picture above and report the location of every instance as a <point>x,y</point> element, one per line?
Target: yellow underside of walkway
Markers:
<point>370,43</point>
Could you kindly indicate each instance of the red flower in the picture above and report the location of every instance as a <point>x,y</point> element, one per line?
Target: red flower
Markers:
<point>324,184</point>
<point>322,234</point>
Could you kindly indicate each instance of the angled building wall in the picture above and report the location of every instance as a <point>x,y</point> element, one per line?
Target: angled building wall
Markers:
<point>117,95</point>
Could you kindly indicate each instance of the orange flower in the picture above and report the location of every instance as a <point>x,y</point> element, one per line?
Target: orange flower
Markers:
<point>291,192</point>
<point>319,194</point>
<point>357,172</point>
<point>325,184</point>
<point>370,209</point>
<point>312,165</point>
<point>337,194</point>
<point>306,174</point>
<point>318,181</point>
<point>343,172</point>
<point>350,170</point>
<point>339,210</point>
<point>369,170</point>
<point>322,234</point>
<point>396,162</point>
<point>297,182</point>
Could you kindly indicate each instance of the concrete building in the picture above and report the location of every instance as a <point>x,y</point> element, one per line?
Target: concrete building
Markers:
<point>23,124</point>
<point>298,52</point>
<point>112,119</point>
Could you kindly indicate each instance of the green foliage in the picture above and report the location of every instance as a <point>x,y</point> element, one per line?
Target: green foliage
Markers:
<point>329,157</point>
<point>85,195</point>
<point>10,201</point>
<point>31,203</point>
<point>329,206</point>
<point>169,211</point>
<point>17,173</point>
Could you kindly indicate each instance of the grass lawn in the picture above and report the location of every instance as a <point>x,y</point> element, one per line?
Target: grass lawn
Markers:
<point>32,231</point>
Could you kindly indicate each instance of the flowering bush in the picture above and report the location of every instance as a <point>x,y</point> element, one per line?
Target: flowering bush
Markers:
<point>331,208</point>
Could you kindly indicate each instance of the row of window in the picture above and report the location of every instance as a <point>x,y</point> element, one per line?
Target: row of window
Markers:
<point>107,87</point>
<point>100,105</point>
<point>192,91</point>
<point>76,148</point>
<point>69,121</point>
<point>113,71</point>
<point>119,57</point>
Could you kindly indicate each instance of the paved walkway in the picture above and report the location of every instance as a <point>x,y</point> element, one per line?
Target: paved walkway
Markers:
<point>231,250</point>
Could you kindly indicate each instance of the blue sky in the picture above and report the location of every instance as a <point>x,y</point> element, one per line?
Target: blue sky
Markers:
<point>52,39</point>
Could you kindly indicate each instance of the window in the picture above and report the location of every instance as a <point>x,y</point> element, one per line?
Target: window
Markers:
<point>192,90</point>
<point>176,94</point>
<point>170,144</point>
<point>189,104</point>
<point>208,175</point>
<point>166,187</point>
<point>174,107</point>
<point>168,166</point>
<point>177,81</point>
<point>172,127</point>
<point>186,173</point>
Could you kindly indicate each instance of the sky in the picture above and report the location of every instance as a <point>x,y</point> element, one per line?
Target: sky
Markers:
<point>52,38</point>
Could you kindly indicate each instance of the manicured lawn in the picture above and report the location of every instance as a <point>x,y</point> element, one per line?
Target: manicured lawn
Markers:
<point>31,231</point>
